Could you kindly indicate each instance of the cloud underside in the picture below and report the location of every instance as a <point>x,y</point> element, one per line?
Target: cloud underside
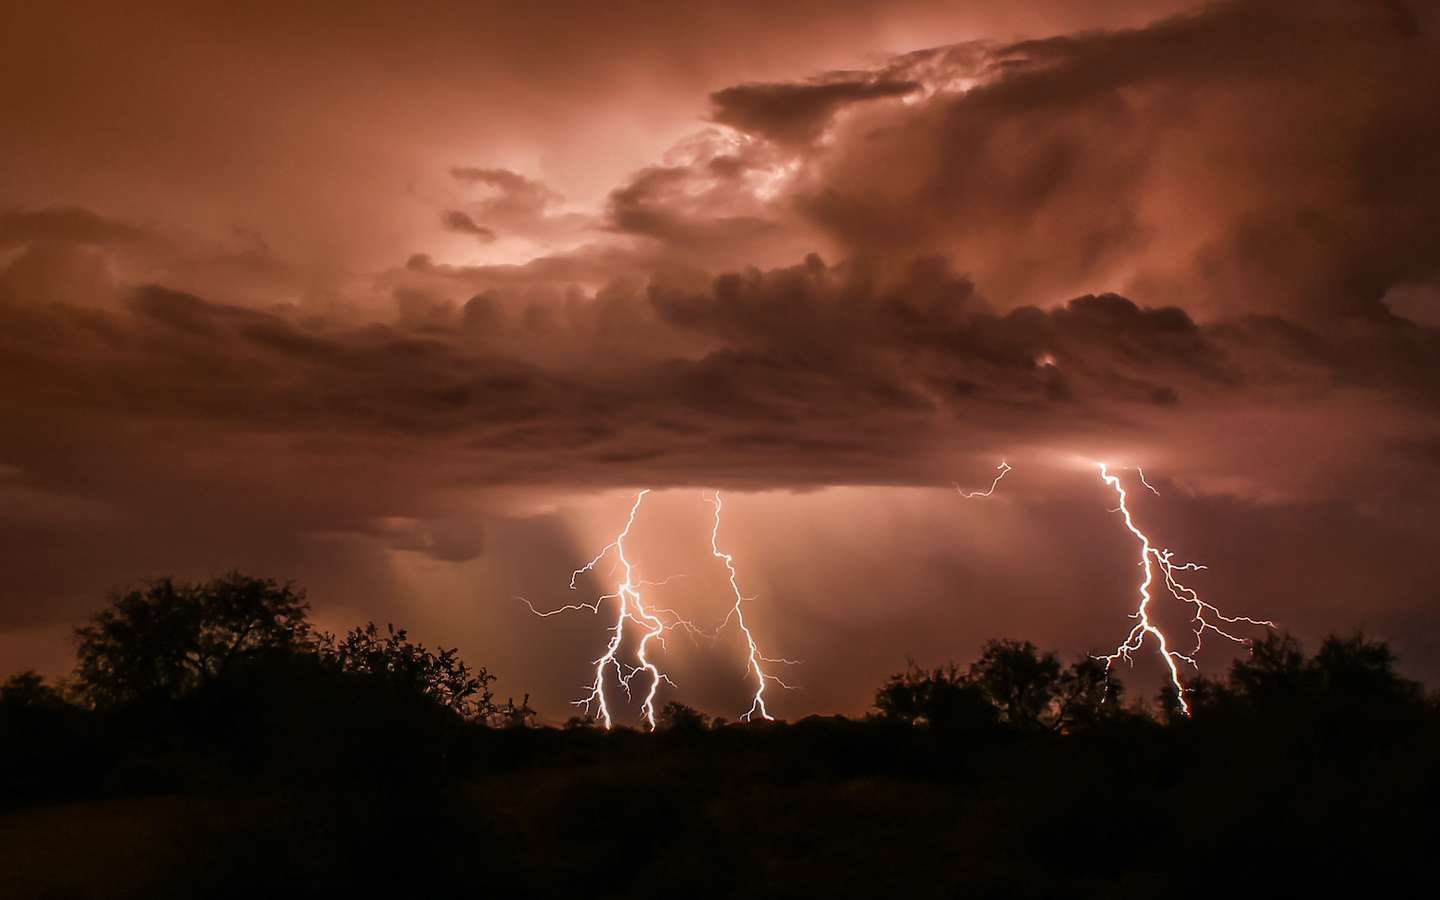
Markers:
<point>805,375</point>
<point>1088,240</point>
<point>393,313</point>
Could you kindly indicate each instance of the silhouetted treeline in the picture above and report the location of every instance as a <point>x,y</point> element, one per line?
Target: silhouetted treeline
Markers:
<point>212,742</point>
<point>180,681</point>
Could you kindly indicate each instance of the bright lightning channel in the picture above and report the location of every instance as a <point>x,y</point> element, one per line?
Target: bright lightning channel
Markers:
<point>755,660</point>
<point>629,607</point>
<point>1205,614</point>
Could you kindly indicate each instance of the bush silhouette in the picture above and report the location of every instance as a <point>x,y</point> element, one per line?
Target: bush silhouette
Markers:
<point>162,641</point>
<point>1349,678</point>
<point>944,698</point>
<point>271,760</point>
<point>395,664</point>
<point>678,718</point>
<point>1011,684</point>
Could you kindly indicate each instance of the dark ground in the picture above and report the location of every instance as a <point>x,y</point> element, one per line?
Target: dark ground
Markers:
<point>821,808</point>
<point>212,744</point>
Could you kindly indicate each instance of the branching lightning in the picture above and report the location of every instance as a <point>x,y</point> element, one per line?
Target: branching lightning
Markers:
<point>1000,473</point>
<point>1205,614</point>
<point>629,607</point>
<point>654,622</point>
<point>755,659</point>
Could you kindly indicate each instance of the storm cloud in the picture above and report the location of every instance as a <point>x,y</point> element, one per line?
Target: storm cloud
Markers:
<point>408,330</point>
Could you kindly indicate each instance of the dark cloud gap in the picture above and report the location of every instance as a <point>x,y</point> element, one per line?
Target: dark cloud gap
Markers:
<point>456,220</point>
<point>797,113</point>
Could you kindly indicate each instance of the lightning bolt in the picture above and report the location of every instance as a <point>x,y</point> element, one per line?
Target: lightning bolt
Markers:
<point>1205,614</point>
<point>1148,486</point>
<point>755,660</point>
<point>1000,470</point>
<point>629,607</point>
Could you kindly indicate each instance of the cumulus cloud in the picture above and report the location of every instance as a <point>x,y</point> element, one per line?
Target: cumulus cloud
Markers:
<point>810,374</point>
<point>1252,156</point>
<point>1166,241</point>
<point>513,204</point>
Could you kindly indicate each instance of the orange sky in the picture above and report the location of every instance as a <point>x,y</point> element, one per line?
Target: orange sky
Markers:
<point>404,301</point>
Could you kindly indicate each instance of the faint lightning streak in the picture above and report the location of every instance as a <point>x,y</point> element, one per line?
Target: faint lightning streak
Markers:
<point>1148,486</point>
<point>1150,558</point>
<point>755,658</point>
<point>1000,469</point>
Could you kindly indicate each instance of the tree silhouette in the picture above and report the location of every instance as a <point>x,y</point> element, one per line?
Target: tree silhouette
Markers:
<point>1359,669</point>
<point>1033,691</point>
<point>1011,683</point>
<point>512,715</point>
<point>398,665</point>
<point>682,719</point>
<point>1345,677</point>
<point>1274,673</point>
<point>944,698</point>
<point>1019,681</point>
<point>1086,695</point>
<point>28,690</point>
<point>166,639</point>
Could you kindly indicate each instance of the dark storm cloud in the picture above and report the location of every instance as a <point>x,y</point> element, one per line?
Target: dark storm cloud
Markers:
<point>1254,156</point>
<point>797,113</point>
<point>661,203</point>
<point>805,375</point>
<point>455,220</point>
<point>1168,241</point>
<point>69,225</point>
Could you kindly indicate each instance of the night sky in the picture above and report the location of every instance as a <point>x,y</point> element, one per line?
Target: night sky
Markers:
<point>406,302</point>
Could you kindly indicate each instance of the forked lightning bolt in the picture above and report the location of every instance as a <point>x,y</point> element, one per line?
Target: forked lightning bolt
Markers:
<point>629,607</point>
<point>1205,615</point>
<point>1000,473</point>
<point>755,659</point>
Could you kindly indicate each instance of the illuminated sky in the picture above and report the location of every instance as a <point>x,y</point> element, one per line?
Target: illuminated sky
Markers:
<point>405,302</point>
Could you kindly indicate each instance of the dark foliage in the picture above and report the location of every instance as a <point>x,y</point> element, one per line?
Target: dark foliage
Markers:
<point>297,765</point>
<point>677,718</point>
<point>944,699</point>
<point>160,642</point>
<point>394,664</point>
<point>1011,684</point>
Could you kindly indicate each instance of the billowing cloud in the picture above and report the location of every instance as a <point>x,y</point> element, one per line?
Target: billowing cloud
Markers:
<point>407,329</point>
<point>797,113</point>
<point>805,375</point>
<point>1252,156</point>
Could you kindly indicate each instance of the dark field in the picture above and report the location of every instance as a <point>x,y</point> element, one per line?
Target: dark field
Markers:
<point>211,744</point>
<point>819,808</point>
